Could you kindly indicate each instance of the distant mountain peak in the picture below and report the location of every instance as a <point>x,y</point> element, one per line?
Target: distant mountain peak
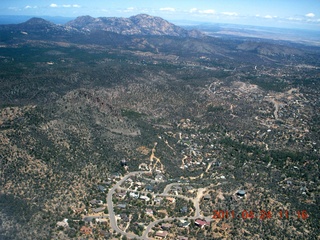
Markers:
<point>37,21</point>
<point>144,15</point>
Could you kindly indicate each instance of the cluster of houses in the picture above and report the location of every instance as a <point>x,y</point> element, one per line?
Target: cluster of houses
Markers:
<point>163,233</point>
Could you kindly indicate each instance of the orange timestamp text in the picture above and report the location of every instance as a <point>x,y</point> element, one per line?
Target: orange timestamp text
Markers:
<point>262,215</point>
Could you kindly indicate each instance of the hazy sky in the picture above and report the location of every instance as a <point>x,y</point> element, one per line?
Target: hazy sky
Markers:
<point>277,13</point>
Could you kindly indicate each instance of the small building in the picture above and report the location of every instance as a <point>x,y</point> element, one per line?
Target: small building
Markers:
<point>166,226</point>
<point>122,195</point>
<point>184,209</point>
<point>145,198</point>
<point>64,223</point>
<point>101,188</point>
<point>184,223</point>
<point>149,211</point>
<point>101,220</point>
<point>159,177</point>
<point>95,202</point>
<point>116,176</point>
<point>161,234</point>
<point>164,212</point>
<point>86,230</point>
<point>122,205</point>
<point>241,193</point>
<point>157,200</point>
<point>138,184</point>
<point>177,188</point>
<point>182,238</point>
<point>207,197</point>
<point>171,199</point>
<point>97,210</point>
<point>149,188</point>
<point>123,162</point>
<point>104,234</point>
<point>217,164</point>
<point>201,223</point>
<point>134,195</point>
<point>124,217</point>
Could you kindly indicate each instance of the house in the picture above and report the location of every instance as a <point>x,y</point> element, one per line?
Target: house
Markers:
<point>138,184</point>
<point>241,193</point>
<point>129,180</point>
<point>184,223</point>
<point>171,199</point>
<point>101,220</point>
<point>79,210</point>
<point>97,210</point>
<point>104,234</point>
<point>101,188</point>
<point>95,202</point>
<point>116,176</point>
<point>177,188</point>
<point>122,205</point>
<point>145,198</point>
<point>86,230</point>
<point>134,195</point>
<point>217,164</point>
<point>157,200</point>
<point>201,223</point>
<point>166,226</point>
<point>164,212</point>
<point>159,177</point>
<point>207,197</point>
<point>123,162</point>
<point>189,189</point>
<point>184,209</point>
<point>64,223</point>
<point>149,211</point>
<point>161,234</point>
<point>122,195</point>
<point>182,238</point>
<point>124,217</point>
<point>149,188</point>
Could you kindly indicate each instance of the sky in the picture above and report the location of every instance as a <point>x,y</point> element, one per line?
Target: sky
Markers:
<point>303,14</point>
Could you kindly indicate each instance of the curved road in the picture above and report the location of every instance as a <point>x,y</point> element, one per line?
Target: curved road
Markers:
<point>113,220</point>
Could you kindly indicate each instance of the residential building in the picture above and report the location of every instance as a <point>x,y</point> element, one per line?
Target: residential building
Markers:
<point>166,226</point>
<point>149,211</point>
<point>86,230</point>
<point>161,234</point>
<point>201,223</point>
<point>97,210</point>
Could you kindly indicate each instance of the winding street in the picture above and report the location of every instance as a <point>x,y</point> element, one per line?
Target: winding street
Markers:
<point>113,220</point>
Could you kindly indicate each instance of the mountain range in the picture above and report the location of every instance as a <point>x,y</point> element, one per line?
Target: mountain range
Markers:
<point>141,24</point>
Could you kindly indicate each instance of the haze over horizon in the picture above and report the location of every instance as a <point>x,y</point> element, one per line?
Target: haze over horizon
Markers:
<point>273,13</point>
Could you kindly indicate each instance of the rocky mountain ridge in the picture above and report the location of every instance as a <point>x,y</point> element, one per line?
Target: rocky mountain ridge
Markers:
<point>141,24</point>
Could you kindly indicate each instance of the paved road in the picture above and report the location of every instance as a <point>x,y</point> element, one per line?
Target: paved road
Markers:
<point>113,220</point>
